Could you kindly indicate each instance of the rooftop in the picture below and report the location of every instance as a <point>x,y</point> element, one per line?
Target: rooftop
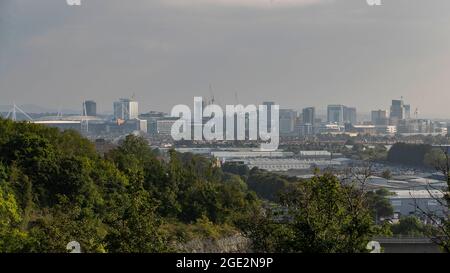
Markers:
<point>408,194</point>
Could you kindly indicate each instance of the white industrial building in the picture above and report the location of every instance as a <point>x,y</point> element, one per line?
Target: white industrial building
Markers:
<point>286,164</point>
<point>242,154</point>
<point>418,202</point>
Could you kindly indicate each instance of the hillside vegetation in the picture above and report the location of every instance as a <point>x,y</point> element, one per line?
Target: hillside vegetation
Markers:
<point>55,188</point>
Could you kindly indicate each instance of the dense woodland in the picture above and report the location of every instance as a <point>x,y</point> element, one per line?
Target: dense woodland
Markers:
<point>55,188</point>
<point>409,154</point>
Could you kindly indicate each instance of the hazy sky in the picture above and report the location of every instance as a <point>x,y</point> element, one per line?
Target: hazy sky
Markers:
<point>295,52</point>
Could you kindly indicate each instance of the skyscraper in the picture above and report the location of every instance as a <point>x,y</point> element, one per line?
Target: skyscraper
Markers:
<point>379,117</point>
<point>350,115</point>
<point>287,121</point>
<point>335,114</point>
<point>407,111</point>
<point>89,108</point>
<point>126,109</point>
<point>397,110</point>
<point>309,115</point>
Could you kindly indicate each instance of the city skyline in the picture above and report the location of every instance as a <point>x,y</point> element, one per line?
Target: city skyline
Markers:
<point>297,53</point>
<point>321,110</point>
<point>225,129</point>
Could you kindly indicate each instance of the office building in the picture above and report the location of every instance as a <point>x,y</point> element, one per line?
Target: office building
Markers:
<point>305,129</point>
<point>89,108</point>
<point>335,114</point>
<point>126,109</point>
<point>407,108</point>
<point>350,115</point>
<point>152,117</point>
<point>309,115</point>
<point>397,111</point>
<point>287,121</point>
<point>164,125</point>
<point>379,117</point>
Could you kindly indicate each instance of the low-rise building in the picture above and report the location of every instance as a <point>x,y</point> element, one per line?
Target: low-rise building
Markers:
<point>418,202</point>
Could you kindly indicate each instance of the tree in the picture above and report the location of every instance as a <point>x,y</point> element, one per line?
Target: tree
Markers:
<point>63,223</point>
<point>440,233</point>
<point>267,185</point>
<point>379,205</point>
<point>266,234</point>
<point>386,174</point>
<point>436,158</point>
<point>408,154</point>
<point>135,227</point>
<point>236,168</point>
<point>55,189</point>
<point>235,199</point>
<point>321,216</point>
<point>12,239</point>
<point>410,226</point>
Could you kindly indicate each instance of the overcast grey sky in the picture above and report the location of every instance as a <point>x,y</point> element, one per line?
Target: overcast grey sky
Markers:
<point>295,52</point>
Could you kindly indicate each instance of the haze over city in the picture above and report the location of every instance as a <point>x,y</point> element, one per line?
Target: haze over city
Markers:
<point>296,53</point>
<point>225,134</point>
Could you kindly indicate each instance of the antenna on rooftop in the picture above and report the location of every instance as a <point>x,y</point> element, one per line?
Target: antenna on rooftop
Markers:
<point>211,93</point>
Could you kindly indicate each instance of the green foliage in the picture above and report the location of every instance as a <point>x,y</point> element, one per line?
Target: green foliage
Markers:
<point>410,226</point>
<point>379,205</point>
<point>64,223</point>
<point>236,168</point>
<point>408,154</point>
<point>435,158</point>
<point>386,174</point>
<point>362,152</point>
<point>12,239</point>
<point>202,229</point>
<point>267,234</point>
<point>188,187</point>
<point>321,216</point>
<point>55,188</point>
<point>135,227</point>
<point>267,185</point>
